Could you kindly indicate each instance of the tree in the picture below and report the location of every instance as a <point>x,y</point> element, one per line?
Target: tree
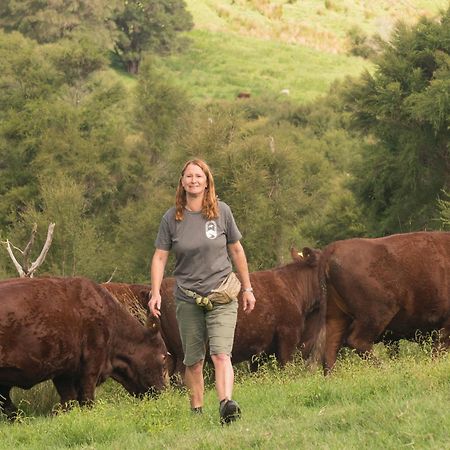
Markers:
<point>149,25</point>
<point>50,21</point>
<point>57,116</point>
<point>275,176</point>
<point>159,107</point>
<point>27,269</point>
<point>404,110</point>
<point>77,248</point>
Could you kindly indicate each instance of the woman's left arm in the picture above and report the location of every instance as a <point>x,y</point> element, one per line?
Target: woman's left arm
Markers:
<point>240,262</point>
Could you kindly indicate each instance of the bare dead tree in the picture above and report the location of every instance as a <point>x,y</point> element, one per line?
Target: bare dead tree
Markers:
<point>26,270</point>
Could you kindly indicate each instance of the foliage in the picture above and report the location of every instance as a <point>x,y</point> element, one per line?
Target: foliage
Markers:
<point>77,247</point>
<point>101,157</point>
<point>159,108</point>
<point>149,25</point>
<point>404,109</point>
<point>51,21</point>
<point>277,177</point>
<point>444,207</point>
<point>362,45</point>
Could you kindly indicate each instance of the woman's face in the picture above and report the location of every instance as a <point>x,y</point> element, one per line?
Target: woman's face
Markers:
<point>194,180</point>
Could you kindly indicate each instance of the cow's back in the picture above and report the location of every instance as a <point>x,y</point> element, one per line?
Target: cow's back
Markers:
<point>45,324</point>
<point>411,271</point>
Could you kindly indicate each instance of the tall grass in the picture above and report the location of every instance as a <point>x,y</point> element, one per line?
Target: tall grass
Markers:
<point>374,404</point>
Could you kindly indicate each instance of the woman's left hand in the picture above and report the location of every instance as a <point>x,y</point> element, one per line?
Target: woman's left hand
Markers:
<point>249,301</point>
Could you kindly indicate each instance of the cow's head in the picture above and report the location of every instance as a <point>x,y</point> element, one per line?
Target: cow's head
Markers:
<point>144,367</point>
<point>308,255</point>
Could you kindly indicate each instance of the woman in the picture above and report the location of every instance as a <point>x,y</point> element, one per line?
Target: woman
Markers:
<point>202,233</point>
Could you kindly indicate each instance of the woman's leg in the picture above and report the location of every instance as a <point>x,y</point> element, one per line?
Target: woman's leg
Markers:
<point>195,384</point>
<point>224,375</point>
<point>192,327</point>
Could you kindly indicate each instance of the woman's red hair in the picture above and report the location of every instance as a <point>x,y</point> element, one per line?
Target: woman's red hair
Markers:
<point>210,207</point>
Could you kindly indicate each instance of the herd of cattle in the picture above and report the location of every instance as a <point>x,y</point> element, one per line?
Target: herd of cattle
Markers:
<point>78,333</point>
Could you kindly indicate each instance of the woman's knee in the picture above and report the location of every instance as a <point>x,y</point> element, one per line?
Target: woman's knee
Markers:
<point>196,368</point>
<point>221,358</point>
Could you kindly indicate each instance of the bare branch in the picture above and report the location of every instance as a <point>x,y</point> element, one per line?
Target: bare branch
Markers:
<point>44,251</point>
<point>14,260</point>
<point>16,248</point>
<point>26,252</point>
<point>111,277</point>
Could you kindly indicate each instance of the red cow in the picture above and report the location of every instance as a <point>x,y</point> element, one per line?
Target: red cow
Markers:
<point>168,324</point>
<point>278,325</point>
<point>398,283</point>
<point>75,333</point>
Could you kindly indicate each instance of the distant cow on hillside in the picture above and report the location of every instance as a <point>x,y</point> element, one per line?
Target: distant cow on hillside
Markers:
<point>75,333</point>
<point>244,95</point>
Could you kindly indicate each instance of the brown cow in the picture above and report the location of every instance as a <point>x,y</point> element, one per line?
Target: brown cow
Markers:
<point>398,283</point>
<point>75,333</point>
<point>168,323</point>
<point>278,325</point>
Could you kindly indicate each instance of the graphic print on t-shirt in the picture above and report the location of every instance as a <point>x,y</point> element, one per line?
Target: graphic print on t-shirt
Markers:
<point>211,229</point>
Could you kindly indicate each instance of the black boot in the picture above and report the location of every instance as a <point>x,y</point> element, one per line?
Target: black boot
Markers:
<point>229,411</point>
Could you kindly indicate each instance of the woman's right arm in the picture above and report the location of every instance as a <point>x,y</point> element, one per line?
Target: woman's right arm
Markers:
<point>159,261</point>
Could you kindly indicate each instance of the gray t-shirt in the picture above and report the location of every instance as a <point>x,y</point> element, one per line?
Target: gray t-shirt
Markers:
<point>200,247</point>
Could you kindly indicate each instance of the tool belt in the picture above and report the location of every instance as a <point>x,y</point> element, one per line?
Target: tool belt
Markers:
<point>227,292</point>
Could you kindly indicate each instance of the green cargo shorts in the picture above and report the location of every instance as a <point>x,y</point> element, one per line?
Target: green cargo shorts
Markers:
<point>198,326</point>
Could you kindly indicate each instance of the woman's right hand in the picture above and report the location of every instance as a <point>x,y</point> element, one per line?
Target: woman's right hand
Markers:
<point>154,305</point>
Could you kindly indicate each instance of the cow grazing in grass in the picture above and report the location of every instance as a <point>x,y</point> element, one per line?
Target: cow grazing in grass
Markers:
<point>127,293</point>
<point>398,284</point>
<point>286,316</point>
<point>75,333</point>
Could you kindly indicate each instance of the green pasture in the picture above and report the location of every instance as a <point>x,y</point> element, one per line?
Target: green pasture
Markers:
<point>264,47</point>
<point>383,403</point>
<point>322,23</point>
<point>219,66</point>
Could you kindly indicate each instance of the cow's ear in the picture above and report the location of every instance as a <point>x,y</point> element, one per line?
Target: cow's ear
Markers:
<point>144,297</point>
<point>295,255</point>
<point>310,256</point>
<point>153,324</point>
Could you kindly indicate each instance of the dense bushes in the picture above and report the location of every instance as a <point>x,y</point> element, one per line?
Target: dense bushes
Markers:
<point>101,159</point>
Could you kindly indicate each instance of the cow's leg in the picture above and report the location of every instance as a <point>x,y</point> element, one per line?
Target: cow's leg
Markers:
<point>366,331</point>
<point>87,385</point>
<point>337,325</point>
<point>66,388</point>
<point>7,407</point>
<point>286,344</point>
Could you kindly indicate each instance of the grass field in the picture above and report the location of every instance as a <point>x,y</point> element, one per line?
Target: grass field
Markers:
<point>264,47</point>
<point>219,66</point>
<point>382,404</point>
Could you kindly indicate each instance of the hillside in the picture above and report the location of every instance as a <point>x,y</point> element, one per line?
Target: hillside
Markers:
<point>265,47</point>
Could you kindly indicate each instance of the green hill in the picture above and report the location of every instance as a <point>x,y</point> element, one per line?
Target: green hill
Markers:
<point>265,47</point>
